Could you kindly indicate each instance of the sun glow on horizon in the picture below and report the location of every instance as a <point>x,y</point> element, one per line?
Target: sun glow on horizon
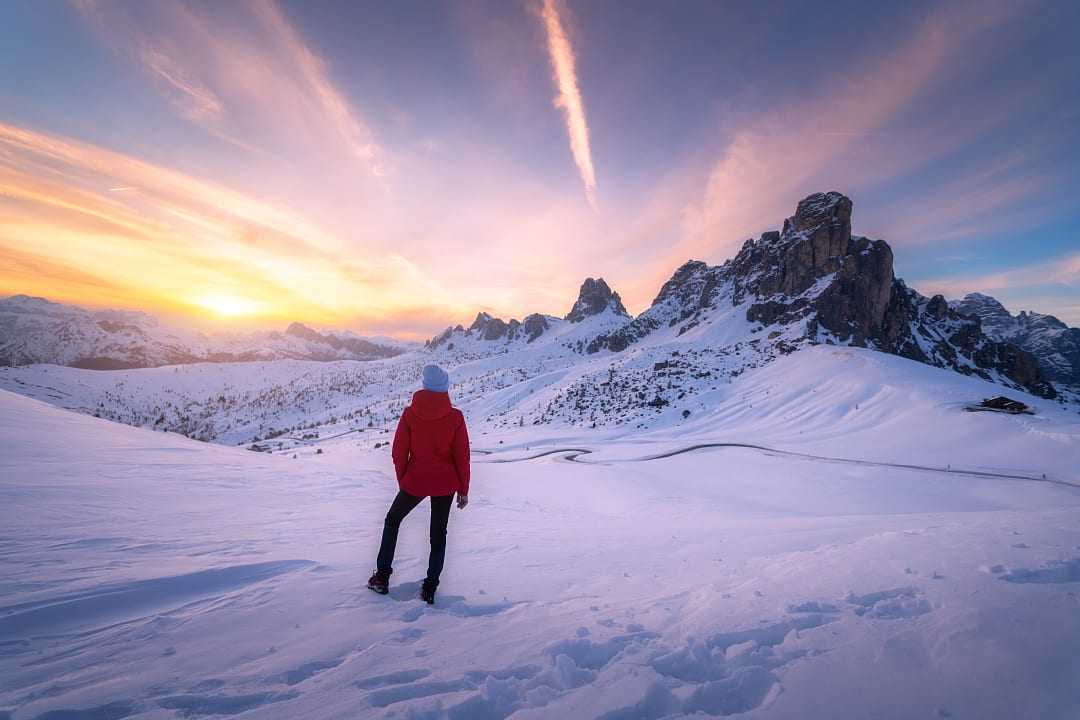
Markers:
<point>228,305</point>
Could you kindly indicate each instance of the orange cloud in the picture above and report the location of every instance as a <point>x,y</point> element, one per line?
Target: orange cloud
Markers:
<point>155,237</point>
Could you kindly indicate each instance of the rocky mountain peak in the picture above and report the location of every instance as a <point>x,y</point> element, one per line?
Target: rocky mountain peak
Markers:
<point>828,208</point>
<point>981,306</point>
<point>593,298</point>
<point>680,279</point>
<point>534,325</point>
<point>490,328</point>
<point>481,321</point>
<point>303,332</point>
<point>816,242</point>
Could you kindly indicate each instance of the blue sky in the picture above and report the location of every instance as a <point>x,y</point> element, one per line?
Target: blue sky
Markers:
<point>393,167</point>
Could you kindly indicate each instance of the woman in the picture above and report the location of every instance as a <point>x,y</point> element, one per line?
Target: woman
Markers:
<point>431,458</point>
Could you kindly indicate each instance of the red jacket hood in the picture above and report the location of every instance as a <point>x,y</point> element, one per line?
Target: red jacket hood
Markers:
<point>431,405</point>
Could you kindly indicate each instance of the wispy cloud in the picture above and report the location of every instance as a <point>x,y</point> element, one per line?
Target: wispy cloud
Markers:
<point>249,79</point>
<point>313,70</point>
<point>833,136</point>
<point>569,95</point>
<point>1063,272</point>
<point>191,98</point>
<point>1047,286</point>
<point>770,163</point>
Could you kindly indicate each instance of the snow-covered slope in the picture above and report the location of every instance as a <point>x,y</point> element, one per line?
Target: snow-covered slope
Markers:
<point>1054,344</point>
<point>881,553</point>
<point>241,402</point>
<point>35,330</point>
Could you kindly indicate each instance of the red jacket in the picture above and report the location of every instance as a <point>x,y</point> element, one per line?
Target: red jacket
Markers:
<point>431,447</point>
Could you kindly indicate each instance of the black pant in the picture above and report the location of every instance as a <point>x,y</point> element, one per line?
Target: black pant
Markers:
<point>402,506</point>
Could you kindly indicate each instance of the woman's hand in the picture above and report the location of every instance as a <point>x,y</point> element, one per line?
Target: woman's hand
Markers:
<point>462,501</point>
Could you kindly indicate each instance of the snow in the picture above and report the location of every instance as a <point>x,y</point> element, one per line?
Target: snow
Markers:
<point>879,553</point>
<point>36,330</point>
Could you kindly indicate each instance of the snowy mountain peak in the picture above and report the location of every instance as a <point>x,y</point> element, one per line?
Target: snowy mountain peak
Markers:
<point>593,298</point>
<point>490,328</point>
<point>1055,345</point>
<point>35,330</point>
<point>302,331</point>
<point>35,305</point>
<point>984,306</point>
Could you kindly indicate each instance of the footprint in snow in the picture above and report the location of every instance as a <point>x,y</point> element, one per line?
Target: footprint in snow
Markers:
<point>303,672</point>
<point>395,678</point>
<point>194,705</point>
<point>453,604</point>
<point>904,602</point>
<point>728,672</point>
<point>1055,571</point>
<point>113,711</point>
<point>406,636</point>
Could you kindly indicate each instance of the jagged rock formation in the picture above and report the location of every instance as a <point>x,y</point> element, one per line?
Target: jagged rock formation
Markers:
<point>595,297</point>
<point>35,330</point>
<point>535,325</point>
<point>492,329</point>
<point>595,301</point>
<point>815,282</point>
<point>1055,345</point>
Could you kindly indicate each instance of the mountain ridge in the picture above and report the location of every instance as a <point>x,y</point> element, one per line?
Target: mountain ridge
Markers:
<point>37,330</point>
<point>1055,345</point>
<point>813,282</point>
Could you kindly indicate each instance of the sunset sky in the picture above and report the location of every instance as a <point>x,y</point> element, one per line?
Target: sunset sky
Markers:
<point>394,167</point>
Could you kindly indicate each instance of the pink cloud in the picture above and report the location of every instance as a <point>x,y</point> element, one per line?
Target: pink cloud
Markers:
<point>563,67</point>
<point>254,82</point>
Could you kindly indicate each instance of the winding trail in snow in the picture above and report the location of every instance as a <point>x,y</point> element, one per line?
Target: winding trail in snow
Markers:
<point>574,454</point>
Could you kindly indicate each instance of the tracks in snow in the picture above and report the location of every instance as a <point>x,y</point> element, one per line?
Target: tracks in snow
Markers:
<point>575,454</point>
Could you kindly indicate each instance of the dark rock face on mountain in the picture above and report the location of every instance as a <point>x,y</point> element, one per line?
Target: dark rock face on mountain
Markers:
<point>814,267</point>
<point>1055,345</point>
<point>492,329</point>
<point>489,328</point>
<point>594,298</point>
<point>932,332</point>
<point>534,326</point>
<point>35,330</point>
<point>815,282</point>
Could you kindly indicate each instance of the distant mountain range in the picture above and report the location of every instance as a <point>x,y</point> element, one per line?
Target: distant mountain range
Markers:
<point>1055,345</point>
<point>812,282</point>
<point>36,330</point>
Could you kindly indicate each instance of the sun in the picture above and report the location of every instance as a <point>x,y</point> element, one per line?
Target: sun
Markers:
<point>229,305</point>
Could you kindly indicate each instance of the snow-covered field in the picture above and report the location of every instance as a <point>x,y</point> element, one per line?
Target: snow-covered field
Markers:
<point>146,575</point>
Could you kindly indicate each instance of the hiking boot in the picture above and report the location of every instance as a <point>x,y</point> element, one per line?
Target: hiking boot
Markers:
<point>379,582</point>
<point>427,591</point>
